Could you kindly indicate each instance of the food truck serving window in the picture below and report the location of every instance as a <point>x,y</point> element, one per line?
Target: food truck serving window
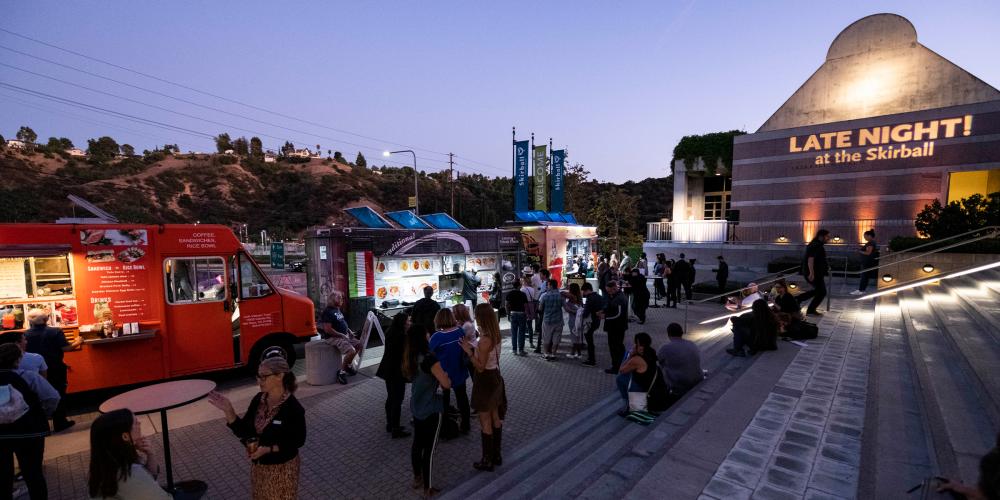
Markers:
<point>190,280</point>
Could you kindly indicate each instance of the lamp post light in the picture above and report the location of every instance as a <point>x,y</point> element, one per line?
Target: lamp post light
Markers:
<point>416,193</point>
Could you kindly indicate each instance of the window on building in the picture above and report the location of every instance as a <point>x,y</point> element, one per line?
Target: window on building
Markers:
<point>191,280</point>
<point>965,184</point>
<point>718,191</point>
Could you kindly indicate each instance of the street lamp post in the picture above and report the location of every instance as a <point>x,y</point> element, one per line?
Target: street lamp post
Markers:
<point>416,192</point>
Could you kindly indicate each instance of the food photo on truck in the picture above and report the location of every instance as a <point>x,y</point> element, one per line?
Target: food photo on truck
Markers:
<point>150,302</point>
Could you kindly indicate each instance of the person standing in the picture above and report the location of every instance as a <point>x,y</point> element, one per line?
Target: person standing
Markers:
<point>390,370</point>
<point>592,306</point>
<point>681,272</point>
<point>869,259</point>
<point>273,428</point>
<point>25,436</point>
<point>574,310</point>
<point>615,318</point>
<point>551,305</point>
<point>543,285</point>
<point>425,309</point>
<point>613,262</point>
<point>640,295</point>
<point>643,265</point>
<point>689,286</point>
<point>530,311</point>
<point>470,286</point>
<point>489,394</point>
<point>447,349</point>
<point>603,275</point>
<point>425,373</point>
<point>673,284</point>
<point>658,272</point>
<point>51,344</point>
<point>496,292</point>
<point>815,269</point>
<point>722,274</point>
<point>516,301</point>
<point>625,264</point>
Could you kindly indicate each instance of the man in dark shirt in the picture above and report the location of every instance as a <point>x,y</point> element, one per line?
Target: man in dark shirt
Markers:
<point>516,302</point>
<point>815,269</point>
<point>51,343</point>
<point>868,261</point>
<point>470,286</point>
<point>615,316</point>
<point>425,309</point>
<point>338,334</point>
<point>681,272</point>
<point>592,305</point>
<point>722,274</point>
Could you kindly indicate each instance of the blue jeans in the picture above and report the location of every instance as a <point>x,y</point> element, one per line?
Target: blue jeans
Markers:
<point>622,381</point>
<point>518,329</point>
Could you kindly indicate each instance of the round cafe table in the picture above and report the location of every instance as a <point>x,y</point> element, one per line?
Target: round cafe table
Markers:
<point>160,398</point>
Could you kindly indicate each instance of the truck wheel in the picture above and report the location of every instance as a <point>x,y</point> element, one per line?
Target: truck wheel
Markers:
<point>271,348</point>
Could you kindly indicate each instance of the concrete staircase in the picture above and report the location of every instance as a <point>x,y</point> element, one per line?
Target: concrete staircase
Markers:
<point>598,454</point>
<point>934,394</point>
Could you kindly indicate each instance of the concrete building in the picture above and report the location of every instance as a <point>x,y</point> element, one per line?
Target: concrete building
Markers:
<point>882,128</point>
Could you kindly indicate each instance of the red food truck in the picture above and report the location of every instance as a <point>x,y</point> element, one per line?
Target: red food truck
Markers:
<point>150,302</point>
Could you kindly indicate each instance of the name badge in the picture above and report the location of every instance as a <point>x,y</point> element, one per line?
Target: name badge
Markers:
<point>276,422</point>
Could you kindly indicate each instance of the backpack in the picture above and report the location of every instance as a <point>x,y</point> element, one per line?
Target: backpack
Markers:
<point>12,404</point>
<point>802,330</point>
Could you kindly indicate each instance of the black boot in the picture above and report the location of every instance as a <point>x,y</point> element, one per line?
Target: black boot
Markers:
<point>497,439</point>
<point>486,463</point>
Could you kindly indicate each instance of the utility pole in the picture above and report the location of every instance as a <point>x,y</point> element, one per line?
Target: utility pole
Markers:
<point>451,180</point>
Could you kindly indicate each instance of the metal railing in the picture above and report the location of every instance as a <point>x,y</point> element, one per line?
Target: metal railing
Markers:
<point>849,231</point>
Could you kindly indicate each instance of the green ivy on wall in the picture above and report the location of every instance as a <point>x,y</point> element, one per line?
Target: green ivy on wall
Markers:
<point>711,148</point>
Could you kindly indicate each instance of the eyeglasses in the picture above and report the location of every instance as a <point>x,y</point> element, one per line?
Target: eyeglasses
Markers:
<point>264,376</point>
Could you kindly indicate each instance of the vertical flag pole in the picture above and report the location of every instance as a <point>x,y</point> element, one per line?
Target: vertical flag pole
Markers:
<point>533,166</point>
<point>513,171</point>
<point>548,178</point>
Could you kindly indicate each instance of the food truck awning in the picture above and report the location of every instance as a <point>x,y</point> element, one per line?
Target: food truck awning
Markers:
<point>408,219</point>
<point>34,250</point>
<point>368,217</point>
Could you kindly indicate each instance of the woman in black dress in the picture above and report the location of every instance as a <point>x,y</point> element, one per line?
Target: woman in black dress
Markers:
<point>390,371</point>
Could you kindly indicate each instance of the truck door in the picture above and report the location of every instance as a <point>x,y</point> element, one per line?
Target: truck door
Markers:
<point>259,307</point>
<point>198,314</point>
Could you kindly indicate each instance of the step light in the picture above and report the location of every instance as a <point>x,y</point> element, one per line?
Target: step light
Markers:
<point>887,278</point>
<point>928,268</point>
<point>931,280</point>
<point>782,239</point>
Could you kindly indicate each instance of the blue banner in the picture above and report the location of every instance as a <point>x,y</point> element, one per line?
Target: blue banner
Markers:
<point>558,172</point>
<point>522,190</point>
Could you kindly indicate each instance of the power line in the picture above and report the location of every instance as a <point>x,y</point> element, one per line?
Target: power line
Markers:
<point>234,101</point>
<point>186,101</point>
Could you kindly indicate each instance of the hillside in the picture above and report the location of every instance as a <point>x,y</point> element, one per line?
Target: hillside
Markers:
<point>286,198</point>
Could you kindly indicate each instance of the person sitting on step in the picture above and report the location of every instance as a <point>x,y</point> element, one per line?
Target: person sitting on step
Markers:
<point>640,373</point>
<point>756,330</point>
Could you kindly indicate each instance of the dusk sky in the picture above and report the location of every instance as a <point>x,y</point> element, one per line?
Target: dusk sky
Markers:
<point>617,83</point>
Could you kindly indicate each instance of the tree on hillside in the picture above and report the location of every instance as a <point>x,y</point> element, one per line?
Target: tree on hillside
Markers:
<point>241,147</point>
<point>171,149</point>
<point>222,143</point>
<point>102,150</point>
<point>28,136</point>
<point>339,157</point>
<point>360,161</point>
<point>256,148</point>
<point>65,143</point>
<point>127,150</point>
<point>54,146</point>
<point>318,149</point>
<point>615,214</point>
<point>3,143</point>
<point>287,149</point>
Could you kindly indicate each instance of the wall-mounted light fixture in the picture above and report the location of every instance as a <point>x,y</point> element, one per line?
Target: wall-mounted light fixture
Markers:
<point>792,286</point>
<point>887,278</point>
<point>928,268</point>
<point>782,239</point>
<point>838,239</point>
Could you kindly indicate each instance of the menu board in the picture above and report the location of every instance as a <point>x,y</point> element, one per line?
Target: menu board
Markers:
<point>115,274</point>
<point>12,279</point>
<point>404,278</point>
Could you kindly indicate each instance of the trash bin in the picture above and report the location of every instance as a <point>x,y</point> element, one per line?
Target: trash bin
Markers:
<point>323,361</point>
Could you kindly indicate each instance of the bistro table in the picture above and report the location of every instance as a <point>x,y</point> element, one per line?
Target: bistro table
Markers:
<point>160,398</point>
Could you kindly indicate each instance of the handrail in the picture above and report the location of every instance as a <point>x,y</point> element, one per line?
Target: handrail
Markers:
<point>994,232</point>
<point>923,281</point>
<point>778,276</point>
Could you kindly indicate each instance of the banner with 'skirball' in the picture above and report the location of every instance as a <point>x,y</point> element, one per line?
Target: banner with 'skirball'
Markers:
<point>541,165</point>
<point>522,194</point>
<point>558,172</point>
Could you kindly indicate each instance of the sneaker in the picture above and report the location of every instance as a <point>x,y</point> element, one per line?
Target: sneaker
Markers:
<point>342,377</point>
<point>589,363</point>
<point>857,292</point>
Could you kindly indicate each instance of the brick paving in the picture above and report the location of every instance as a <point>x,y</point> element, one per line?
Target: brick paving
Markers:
<point>805,440</point>
<point>348,453</point>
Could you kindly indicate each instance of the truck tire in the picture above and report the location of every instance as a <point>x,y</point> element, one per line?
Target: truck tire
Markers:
<point>269,348</point>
